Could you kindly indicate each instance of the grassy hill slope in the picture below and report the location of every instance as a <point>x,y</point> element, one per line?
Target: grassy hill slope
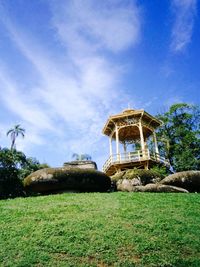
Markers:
<point>101,229</point>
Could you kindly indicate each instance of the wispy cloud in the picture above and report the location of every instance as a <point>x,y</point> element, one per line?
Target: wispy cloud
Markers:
<point>184,13</point>
<point>73,97</point>
<point>22,105</point>
<point>103,25</point>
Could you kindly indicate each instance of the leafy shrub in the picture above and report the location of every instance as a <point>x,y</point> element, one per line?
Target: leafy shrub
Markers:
<point>161,170</point>
<point>14,167</point>
<point>10,183</point>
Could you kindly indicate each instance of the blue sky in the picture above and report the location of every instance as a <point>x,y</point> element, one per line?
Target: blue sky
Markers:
<point>65,66</point>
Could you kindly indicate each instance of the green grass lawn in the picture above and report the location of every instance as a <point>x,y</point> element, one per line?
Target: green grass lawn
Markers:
<point>101,229</point>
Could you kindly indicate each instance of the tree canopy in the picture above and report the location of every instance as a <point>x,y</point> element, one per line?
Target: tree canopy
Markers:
<point>14,167</point>
<point>79,157</point>
<point>179,136</point>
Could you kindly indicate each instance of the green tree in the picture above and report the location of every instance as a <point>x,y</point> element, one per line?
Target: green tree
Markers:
<point>14,167</point>
<point>11,161</point>
<point>31,165</point>
<point>14,133</point>
<point>179,136</point>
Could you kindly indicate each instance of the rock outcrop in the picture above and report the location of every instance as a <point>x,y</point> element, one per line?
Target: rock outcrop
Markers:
<point>128,186</point>
<point>131,178</point>
<point>81,164</point>
<point>159,188</point>
<point>136,177</point>
<point>189,180</point>
<point>67,179</point>
<point>150,181</point>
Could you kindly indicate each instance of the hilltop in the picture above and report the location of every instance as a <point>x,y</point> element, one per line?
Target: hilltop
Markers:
<point>101,229</point>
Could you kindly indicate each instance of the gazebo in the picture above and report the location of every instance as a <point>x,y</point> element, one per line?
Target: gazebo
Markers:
<point>134,133</point>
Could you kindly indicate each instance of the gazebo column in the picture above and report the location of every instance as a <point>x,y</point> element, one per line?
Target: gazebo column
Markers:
<point>110,146</point>
<point>125,147</point>
<point>141,137</point>
<point>155,143</point>
<point>145,143</point>
<point>117,142</point>
<point>125,156</point>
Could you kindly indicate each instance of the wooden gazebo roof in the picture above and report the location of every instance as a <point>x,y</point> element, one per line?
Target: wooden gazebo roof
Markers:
<point>129,129</point>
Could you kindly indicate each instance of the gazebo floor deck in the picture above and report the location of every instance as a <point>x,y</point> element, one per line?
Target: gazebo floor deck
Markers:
<point>114,167</point>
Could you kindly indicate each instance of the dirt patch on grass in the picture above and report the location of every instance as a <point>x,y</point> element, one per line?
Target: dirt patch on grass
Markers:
<point>63,256</point>
<point>129,254</point>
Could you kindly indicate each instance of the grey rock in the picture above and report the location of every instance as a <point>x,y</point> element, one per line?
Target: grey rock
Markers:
<point>127,186</point>
<point>190,180</point>
<point>82,164</point>
<point>137,177</point>
<point>51,180</point>
<point>158,188</point>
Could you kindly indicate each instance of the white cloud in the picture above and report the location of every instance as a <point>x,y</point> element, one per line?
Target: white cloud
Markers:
<point>184,12</point>
<point>21,104</point>
<point>91,26</point>
<point>74,99</point>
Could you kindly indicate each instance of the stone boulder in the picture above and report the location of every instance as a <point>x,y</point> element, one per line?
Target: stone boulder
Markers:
<point>159,188</point>
<point>128,186</point>
<point>82,164</point>
<point>63,179</point>
<point>125,180</point>
<point>189,180</point>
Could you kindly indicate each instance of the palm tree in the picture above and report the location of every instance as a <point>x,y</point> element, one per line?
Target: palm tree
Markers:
<point>14,133</point>
<point>80,157</point>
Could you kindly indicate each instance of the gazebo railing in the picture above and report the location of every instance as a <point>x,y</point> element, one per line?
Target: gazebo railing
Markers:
<point>136,156</point>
